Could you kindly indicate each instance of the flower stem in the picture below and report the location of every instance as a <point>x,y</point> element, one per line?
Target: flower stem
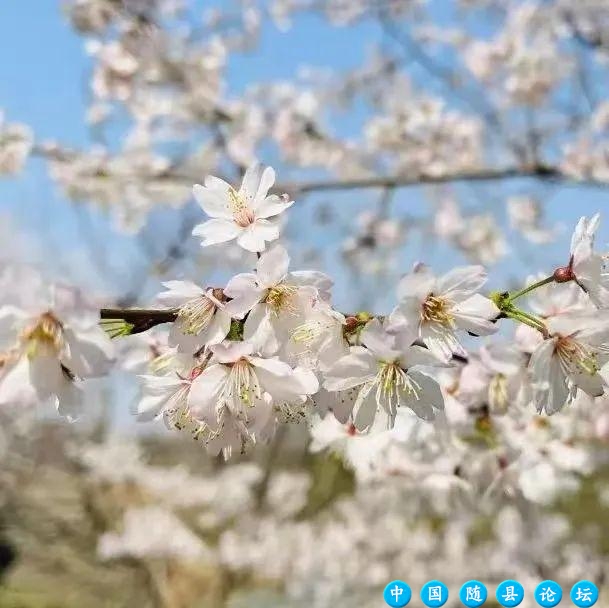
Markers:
<point>530,288</point>
<point>523,317</point>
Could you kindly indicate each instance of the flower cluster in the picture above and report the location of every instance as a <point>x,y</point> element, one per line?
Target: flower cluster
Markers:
<point>269,347</point>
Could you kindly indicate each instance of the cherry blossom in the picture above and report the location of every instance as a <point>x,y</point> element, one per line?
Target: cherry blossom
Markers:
<point>382,372</point>
<point>437,307</point>
<point>274,300</point>
<point>248,214</point>
<point>586,267</point>
<point>570,359</point>
<point>201,317</point>
<point>49,344</point>
<point>237,390</point>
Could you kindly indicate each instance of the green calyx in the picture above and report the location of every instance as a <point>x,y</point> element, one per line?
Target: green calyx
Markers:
<point>116,328</point>
<point>505,303</point>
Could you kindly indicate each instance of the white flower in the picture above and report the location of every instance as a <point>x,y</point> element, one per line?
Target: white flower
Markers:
<point>15,146</point>
<point>359,450</point>
<point>586,266</point>
<point>526,216</point>
<point>246,386</point>
<point>437,307</point>
<point>201,318</point>
<point>546,302</point>
<point>383,376</point>
<point>319,341</point>
<point>152,532</point>
<point>242,214</point>
<point>26,381</point>
<point>275,299</point>
<point>51,343</point>
<point>167,397</point>
<point>507,378</point>
<point>495,378</point>
<point>569,359</point>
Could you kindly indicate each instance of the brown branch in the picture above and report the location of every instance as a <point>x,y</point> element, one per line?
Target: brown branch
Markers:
<point>142,319</point>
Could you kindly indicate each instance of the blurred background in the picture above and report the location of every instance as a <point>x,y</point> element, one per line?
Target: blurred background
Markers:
<point>447,132</point>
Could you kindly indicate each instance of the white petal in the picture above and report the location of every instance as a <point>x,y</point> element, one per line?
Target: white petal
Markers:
<point>213,200</point>
<point>309,384</point>
<point>271,206</point>
<point>354,369</point>
<point>216,231</point>
<point>342,405</point>
<point>217,330</point>
<point>417,355</point>
<point>272,266</point>
<point>461,282</point>
<point>179,292</point>
<point>558,394</point>
<point>441,341</point>
<point>46,375</point>
<point>378,341</point>
<point>205,391</point>
<point>430,392</point>
<point>539,363</point>
<point>254,236</point>
<point>364,409</point>
<point>272,366</point>
<point>266,183</point>
<point>251,183</point>
<point>215,183</point>
<point>229,352</point>
<point>156,391</point>
<point>592,384</point>
<point>416,285</point>
<point>475,313</point>
<point>245,294</point>
<point>259,330</point>
<point>321,281</point>
<point>90,352</point>
<point>549,381</point>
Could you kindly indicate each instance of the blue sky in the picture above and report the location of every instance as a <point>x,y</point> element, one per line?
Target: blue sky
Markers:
<point>43,82</point>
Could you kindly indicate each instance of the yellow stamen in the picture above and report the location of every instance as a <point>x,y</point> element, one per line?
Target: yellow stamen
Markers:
<point>196,315</point>
<point>242,213</point>
<point>438,310</point>
<point>281,298</point>
<point>46,334</point>
<point>392,382</point>
<point>571,352</point>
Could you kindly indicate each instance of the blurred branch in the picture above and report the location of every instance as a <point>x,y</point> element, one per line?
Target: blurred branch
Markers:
<point>541,171</point>
<point>262,488</point>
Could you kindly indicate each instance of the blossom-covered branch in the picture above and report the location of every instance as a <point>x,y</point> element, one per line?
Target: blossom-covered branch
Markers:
<point>269,347</point>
